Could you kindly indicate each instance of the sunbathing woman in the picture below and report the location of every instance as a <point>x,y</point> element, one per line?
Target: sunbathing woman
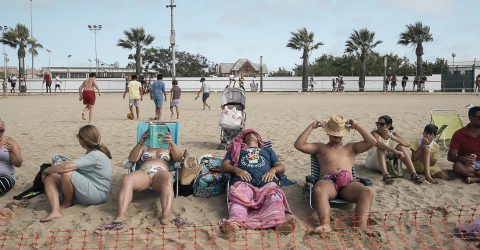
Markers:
<point>154,174</point>
<point>86,180</point>
<point>389,144</point>
<point>10,159</point>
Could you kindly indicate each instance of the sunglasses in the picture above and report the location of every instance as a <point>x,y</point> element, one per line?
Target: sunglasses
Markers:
<point>380,124</point>
<point>2,130</point>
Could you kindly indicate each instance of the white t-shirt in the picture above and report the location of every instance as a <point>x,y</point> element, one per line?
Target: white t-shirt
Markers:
<point>232,77</point>
<point>57,80</point>
<point>206,87</point>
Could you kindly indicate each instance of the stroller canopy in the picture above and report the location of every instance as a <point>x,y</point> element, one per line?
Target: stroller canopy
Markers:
<point>233,96</point>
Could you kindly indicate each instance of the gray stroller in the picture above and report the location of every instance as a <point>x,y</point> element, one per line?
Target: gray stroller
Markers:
<point>232,99</point>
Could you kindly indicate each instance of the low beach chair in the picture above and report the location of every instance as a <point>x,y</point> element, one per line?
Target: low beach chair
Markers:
<point>173,128</point>
<point>315,175</point>
<point>448,121</point>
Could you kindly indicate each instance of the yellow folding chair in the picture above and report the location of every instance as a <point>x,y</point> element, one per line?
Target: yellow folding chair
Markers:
<point>448,121</point>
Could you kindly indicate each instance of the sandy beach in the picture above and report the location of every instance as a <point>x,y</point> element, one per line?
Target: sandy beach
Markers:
<point>45,125</point>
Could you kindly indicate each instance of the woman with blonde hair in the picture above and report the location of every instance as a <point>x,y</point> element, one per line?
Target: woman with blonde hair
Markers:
<point>86,180</point>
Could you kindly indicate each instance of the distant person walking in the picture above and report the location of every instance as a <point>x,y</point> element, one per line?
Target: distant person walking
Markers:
<point>311,83</point>
<point>4,87</point>
<point>205,89</point>
<point>241,82</point>
<point>135,95</point>
<point>47,79</point>
<point>87,94</point>
<point>57,83</point>
<point>404,82</point>
<point>175,98</point>
<point>393,82</point>
<point>158,95</point>
<point>13,83</point>
<point>232,79</point>
<point>477,83</point>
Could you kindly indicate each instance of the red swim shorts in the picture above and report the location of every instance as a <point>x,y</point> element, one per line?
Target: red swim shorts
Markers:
<point>88,97</point>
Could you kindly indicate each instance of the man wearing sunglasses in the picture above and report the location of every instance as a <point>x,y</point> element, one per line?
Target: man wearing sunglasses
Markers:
<point>10,157</point>
<point>464,149</point>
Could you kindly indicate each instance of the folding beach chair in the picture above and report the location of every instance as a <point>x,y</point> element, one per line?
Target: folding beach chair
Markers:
<point>315,175</point>
<point>448,121</point>
<point>173,128</point>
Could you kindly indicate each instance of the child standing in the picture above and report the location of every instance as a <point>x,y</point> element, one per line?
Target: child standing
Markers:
<point>175,98</point>
<point>4,87</point>
<point>425,153</point>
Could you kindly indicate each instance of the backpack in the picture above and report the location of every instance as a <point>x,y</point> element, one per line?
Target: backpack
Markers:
<point>210,181</point>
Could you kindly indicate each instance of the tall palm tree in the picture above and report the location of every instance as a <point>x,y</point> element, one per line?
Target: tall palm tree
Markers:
<point>303,40</point>
<point>18,36</point>
<point>415,35</point>
<point>136,39</point>
<point>34,45</point>
<point>361,42</point>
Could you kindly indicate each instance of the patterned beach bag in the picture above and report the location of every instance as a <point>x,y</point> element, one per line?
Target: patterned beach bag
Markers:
<point>210,181</point>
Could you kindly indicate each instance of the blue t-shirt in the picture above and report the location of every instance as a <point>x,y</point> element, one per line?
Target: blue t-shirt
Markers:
<point>256,161</point>
<point>157,89</point>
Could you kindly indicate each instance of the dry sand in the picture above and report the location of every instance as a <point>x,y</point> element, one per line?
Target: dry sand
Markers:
<point>47,124</point>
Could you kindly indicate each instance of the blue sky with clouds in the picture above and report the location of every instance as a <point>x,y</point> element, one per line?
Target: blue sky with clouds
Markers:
<point>226,30</point>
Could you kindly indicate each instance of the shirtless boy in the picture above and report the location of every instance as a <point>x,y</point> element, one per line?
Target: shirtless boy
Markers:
<point>336,160</point>
<point>87,94</point>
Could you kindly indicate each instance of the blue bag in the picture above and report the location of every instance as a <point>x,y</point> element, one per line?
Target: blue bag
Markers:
<point>210,181</point>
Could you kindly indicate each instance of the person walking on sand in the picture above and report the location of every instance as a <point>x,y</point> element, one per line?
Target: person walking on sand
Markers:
<point>175,98</point>
<point>158,95</point>
<point>336,178</point>
<point>47,79</point>
<point>87,94</point>
<point>205,89</point>
<point>57,83</point>
<point>135,95</point>
<point>4,87</point>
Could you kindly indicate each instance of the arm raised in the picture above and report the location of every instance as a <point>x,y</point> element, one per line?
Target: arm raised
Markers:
<point>301,142</point>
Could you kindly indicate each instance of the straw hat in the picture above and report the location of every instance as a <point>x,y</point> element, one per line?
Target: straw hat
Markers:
<point>336,126</point>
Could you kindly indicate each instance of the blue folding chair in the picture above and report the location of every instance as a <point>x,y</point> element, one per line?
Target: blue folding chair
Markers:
<point>173,128</point>
<point>315,175</point>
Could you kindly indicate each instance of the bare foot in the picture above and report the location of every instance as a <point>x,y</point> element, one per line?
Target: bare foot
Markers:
<point>229,227</point>
<point>288,226</point>
<point>470,180</point>
<point>6,213</point>
<point>367,232</point>
<point>51,216</point>
<point>321,229</point>
<point>66,205</point>
<point>164,220</point>
<point>431,180</point>
<point>83,116</point>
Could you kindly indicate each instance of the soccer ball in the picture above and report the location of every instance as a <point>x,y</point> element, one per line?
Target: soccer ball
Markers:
<point>130,116</point>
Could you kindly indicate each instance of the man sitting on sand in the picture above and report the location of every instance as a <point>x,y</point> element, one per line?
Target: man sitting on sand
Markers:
<point>336,160</point>
<point>255,201</point>
<point>465,148</point>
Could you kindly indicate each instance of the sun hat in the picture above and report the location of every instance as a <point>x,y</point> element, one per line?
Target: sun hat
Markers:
<point>336,126</point>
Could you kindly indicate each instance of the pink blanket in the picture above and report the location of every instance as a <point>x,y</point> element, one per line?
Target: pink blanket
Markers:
<point>254,208</point>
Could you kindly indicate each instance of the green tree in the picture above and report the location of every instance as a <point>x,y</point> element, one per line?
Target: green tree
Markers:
<point>361,42</point>
<point>281,72</point>
<point>34,45</point>
<point>136,39</point>
<point>303,40</point>
<point>415,35</point>
<point>18,37</point>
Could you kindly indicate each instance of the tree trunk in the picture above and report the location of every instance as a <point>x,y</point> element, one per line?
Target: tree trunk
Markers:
<point>21,60</point>
<point>419,53</point>
<point>305,72</point>
<point>361,78</point>
<point>138,62</point>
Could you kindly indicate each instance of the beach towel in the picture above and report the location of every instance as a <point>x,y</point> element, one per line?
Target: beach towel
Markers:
<point>255,208</point>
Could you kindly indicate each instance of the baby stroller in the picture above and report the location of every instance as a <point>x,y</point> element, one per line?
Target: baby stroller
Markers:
<point>233,117</point>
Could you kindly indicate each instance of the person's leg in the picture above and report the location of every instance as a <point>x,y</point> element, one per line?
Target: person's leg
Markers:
<point>464,170</point>
<point>382,161</point>
<point>137,108</point>
<point>90,113</point>
<point>323,192</point>
<point>363,196</point>
<point>136,181</point>
<point>51,184</point>
<point>409,164</point>
<point>426,156</point>
<point>178,111</point>
<point>67,189</point>
<point>171,112</point>
<point>162,183</point>
<point>159,113</point>
<point>131,109</point>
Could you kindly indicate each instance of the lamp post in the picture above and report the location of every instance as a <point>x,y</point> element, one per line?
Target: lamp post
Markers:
<point>68,58</point>
<point>95,28</point>
<point>453,57</point>
<point>172,36</point>
<point>49,51</point>
<point>31,35</point>
<point>3,29</point>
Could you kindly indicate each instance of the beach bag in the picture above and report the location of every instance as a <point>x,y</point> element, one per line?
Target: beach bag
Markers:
<point>395,166</point>
<point>189,171</point>
<point>210,181</point>
<point>230,119</point>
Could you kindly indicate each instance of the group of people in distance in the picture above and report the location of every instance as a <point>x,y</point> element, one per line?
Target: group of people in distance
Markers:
<point>255,198</point>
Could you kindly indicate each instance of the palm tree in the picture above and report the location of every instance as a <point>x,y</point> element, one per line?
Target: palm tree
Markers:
<point>303,40</point>
<point>361,42</point>
<point>18,36</point>
<point>136,39</point>
<point>34,45</point>
<point>415,35</point>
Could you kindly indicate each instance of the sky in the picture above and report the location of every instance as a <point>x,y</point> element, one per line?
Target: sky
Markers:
<point>225,30</point>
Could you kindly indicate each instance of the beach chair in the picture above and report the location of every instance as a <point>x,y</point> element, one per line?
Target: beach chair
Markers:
<point>315,175</point>
<point>448,121</point>
<point>173,128</point>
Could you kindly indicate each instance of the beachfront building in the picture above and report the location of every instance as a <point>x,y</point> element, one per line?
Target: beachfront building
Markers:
<point>241,66</point>
<point>82,72</point>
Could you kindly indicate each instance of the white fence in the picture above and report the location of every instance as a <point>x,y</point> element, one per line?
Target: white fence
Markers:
<point>324,83</point>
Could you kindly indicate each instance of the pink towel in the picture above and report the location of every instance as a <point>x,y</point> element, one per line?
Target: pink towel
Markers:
<point>238,144</point>
<point>254,207</point>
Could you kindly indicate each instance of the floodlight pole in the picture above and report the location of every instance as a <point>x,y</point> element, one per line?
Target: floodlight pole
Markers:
<point>172,37</point>
<point>261,73</point>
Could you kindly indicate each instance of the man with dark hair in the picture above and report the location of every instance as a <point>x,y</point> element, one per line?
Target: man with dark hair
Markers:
<point>87,94</point>
<point>135,94</point>
<point>205,89</point>
<point>158,95</point>
<point>465,148</point>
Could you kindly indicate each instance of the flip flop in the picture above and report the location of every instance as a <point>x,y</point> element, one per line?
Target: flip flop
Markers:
<point>114,226</point>
<point>388,179</point>
<point>417,178</point>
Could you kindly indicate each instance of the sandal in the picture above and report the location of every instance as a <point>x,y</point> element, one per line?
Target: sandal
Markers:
<point>388,179</point>
<point>417,178</point>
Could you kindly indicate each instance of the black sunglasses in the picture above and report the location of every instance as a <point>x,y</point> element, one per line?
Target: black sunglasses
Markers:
<point>2,130</point>
<point>381,124</point>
